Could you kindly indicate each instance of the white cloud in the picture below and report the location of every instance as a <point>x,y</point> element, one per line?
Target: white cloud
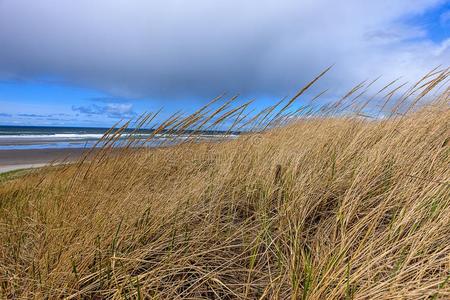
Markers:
<point>445,18</point>
<point>119,108</point>
<point>111,110</point>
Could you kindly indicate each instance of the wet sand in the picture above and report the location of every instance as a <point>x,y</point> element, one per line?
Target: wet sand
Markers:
<point>23,159</point>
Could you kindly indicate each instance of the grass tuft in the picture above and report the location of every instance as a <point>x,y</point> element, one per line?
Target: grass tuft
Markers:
<point>327,200</point>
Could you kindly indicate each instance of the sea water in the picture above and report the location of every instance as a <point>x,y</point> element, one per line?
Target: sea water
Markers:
<point>40,137</point>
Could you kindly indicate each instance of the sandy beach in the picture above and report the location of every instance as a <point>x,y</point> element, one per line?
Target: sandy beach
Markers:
<point>22,159</point>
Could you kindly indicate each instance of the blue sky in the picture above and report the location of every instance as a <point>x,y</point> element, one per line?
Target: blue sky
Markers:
<point>67,63</point>
<point>40,102</point>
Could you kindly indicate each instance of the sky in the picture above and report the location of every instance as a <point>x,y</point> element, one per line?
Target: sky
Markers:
<point>93,63</point>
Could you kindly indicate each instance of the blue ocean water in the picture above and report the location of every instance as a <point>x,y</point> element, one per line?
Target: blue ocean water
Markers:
<point>37,137</point>
<point>44,130</point>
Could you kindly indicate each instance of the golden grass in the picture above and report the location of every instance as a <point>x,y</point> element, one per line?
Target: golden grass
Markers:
<point>13,174</point>
<point>321,205</point>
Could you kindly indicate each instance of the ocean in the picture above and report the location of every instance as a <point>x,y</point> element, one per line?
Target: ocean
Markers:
<point>37,137</point>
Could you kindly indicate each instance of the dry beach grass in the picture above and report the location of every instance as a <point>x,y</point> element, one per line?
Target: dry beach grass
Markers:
<point>316,203</point>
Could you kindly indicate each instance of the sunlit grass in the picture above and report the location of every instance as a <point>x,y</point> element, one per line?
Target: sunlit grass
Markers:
<point>13,174</point>
<point>329,202</point>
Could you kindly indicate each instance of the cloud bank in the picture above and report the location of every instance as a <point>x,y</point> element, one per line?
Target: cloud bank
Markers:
<point>111,110</point>
<point>176,49</point>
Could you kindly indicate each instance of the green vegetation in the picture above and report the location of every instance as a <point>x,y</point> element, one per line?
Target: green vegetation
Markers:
<point>13,174</point>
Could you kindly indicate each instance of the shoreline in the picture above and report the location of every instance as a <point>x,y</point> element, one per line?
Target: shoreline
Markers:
<point>6,169</point>
<point>12,160</point>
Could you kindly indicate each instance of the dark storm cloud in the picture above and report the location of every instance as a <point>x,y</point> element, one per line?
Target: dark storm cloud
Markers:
<point>173,49</point>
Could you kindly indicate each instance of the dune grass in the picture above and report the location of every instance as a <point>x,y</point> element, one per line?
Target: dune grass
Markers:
<point>316,202</point>
<point>13,174</point>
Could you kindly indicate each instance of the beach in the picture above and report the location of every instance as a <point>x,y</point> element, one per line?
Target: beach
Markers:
<point>24,147</point>
<point>11,160</point>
